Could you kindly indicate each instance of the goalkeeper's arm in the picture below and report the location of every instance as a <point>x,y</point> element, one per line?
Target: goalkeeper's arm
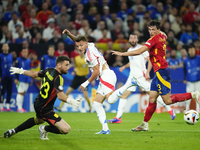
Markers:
<point>15,70</point>
<point>65,98</point>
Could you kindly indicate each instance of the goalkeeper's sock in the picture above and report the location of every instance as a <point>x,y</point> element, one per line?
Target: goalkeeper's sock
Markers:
<point>101,115</point>
<point>121,106</point>
<point>52,129</point>
<point>160,101</point>
<point>181,97</point>
<point>19,100</point>
<point>25,125</point>
<point>149,111</point>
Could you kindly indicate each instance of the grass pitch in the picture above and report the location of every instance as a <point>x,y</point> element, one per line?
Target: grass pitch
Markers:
<point>164,134</point>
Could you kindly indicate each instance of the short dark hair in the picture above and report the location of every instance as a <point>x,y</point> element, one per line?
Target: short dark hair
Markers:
<point>155,23</point>
<point>190,46</point>
<point>81,38</point>
<point>62,58</point>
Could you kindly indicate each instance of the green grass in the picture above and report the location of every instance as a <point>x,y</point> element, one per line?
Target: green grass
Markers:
<point>163,134</point>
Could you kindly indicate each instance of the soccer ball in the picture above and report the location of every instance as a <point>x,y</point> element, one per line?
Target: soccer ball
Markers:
<point>191,117</point>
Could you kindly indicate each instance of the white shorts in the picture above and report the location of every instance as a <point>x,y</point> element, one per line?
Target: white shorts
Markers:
<point>192,86</point>
<point>22,87</point>
<point>107,82</point>
<point>142,83</point>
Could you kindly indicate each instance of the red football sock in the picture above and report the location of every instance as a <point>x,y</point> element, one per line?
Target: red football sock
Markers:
<point>180,97</point>
<point>149,111</point>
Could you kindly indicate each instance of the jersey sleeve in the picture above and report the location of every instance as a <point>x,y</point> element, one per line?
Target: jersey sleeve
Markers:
<point>92,57</point>
<point>58,84</point>
<point>146,54</point>
<point>41,73</point>
<point>151,42</point>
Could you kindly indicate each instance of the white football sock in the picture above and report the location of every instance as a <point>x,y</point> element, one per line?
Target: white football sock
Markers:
<point>118,93</point>
<point>19,100</point>
<point>1,105</point>
<point>121,106</point>
<point>160,101</point>
<point>7,106</point>
<point>101,115</point>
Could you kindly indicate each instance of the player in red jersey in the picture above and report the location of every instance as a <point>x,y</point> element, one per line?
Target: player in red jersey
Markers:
<point>160,85</point>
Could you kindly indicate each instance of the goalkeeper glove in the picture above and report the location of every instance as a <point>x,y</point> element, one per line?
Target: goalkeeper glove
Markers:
<point>15,70</point>
<point>74,102</point>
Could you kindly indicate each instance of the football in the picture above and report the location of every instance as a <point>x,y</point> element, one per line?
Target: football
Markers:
<point>191,117</point>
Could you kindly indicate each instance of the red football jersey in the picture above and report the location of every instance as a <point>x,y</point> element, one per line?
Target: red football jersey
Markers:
<point>157,51</point>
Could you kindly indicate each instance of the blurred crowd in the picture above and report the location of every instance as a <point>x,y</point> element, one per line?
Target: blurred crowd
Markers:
<point>107,23</point>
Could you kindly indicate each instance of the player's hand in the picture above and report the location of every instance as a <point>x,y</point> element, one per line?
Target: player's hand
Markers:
<point>121,69</point>
<point>74,102</point>
<point>16,81</point>
<point>185,81</point>
<point>15,70</point>
<point>116,53</point>
<point>81,88</point>
<point>147,76</point>
<point>66,32</point>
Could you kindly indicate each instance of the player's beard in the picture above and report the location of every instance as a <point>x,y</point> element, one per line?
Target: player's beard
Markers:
<point>133,44</point>
<point>64,71</point>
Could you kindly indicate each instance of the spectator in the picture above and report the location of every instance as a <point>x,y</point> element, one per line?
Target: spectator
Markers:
<point>25,6</point>
<point>158,13</point>
<point>34,28</point>
<point>128,24</point>
<point>55,39</point>
<point>138,3</point>
<point>25,45</point>
<point>118,61</point>
<point>152,6</point>
<point>38,39</point>
<point>190,16</point>
<point>184,55</point>
<point>92,13</point>
<point>26,14</point>
<point>92,3</point>
<point>9,39</point>
<point>29,21</point>
<point>48,32</point>
<point>97,33</point>
<point>166,27</point>
<point>124,11</point>
<point>85,29</point>
<point>198,31</point>
<point>43,15</point>
<point>120,39</point>
<point>188,37</point>
<point>63,23</point>
<point>192,74</point>
<point>117,29</point>
<point>78,20</point>
<point>61,50</point>
<point>56,8</point>
<point>63,11</point>
<point>96,20</point>
<point>19,32</point>
<point>173,62</point>
<point>20,39</point>
<point>80,8</point>
<point>104,39</point>
<point>171,40</point>
<point>183,30</point>
<point>15,20</point>
<point>197,47</point>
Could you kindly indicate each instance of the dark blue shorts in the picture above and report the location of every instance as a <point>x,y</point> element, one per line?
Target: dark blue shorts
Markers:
<point>161,82</point>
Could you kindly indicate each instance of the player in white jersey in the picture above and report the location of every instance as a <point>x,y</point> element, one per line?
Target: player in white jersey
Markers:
<point>96,62</point>
<point>138,70</point>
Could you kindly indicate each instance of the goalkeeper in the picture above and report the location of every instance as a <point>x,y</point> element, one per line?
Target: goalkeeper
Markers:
<point>52,87</point>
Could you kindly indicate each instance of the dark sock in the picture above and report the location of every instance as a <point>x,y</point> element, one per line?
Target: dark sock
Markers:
<point>52,129</point>
<point>25,125</point>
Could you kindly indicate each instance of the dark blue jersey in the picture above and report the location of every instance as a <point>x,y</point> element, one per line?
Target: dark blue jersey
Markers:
<point>192,69</point>
<point>6,61</point>
<point>48,62</point>
<point>24,63</point>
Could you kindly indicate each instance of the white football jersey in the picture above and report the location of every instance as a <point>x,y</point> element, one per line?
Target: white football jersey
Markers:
<point>138,62</point>
<point>94,57</point>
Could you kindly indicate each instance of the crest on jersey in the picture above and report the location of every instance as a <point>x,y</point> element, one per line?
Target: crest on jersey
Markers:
<point>60,87</point>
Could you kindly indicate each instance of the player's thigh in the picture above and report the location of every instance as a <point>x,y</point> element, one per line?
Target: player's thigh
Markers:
<point>99,98</point>
<point>126,94</point>
<point>22,87</point>
<point>63,126</point>
<point>197,85</point>
<point>143,83</point>
<point>153,95</point>
<point>167,98</point>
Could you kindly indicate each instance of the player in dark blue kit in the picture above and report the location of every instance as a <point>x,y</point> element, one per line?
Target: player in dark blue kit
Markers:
<point>6,79</point>
<point>52,88</point>
<point>22,82</point>
<point>49,60</point>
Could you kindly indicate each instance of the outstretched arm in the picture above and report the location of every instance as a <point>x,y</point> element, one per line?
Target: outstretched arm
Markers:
<point>15,70</point>
<point>69,34</point>
<point>123,67</point>
<point>131,53</point>
<point>149,67</point>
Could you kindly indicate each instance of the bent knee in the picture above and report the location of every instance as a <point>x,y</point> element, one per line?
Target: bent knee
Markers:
<point>152,100</point>
<point>66,130</point>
